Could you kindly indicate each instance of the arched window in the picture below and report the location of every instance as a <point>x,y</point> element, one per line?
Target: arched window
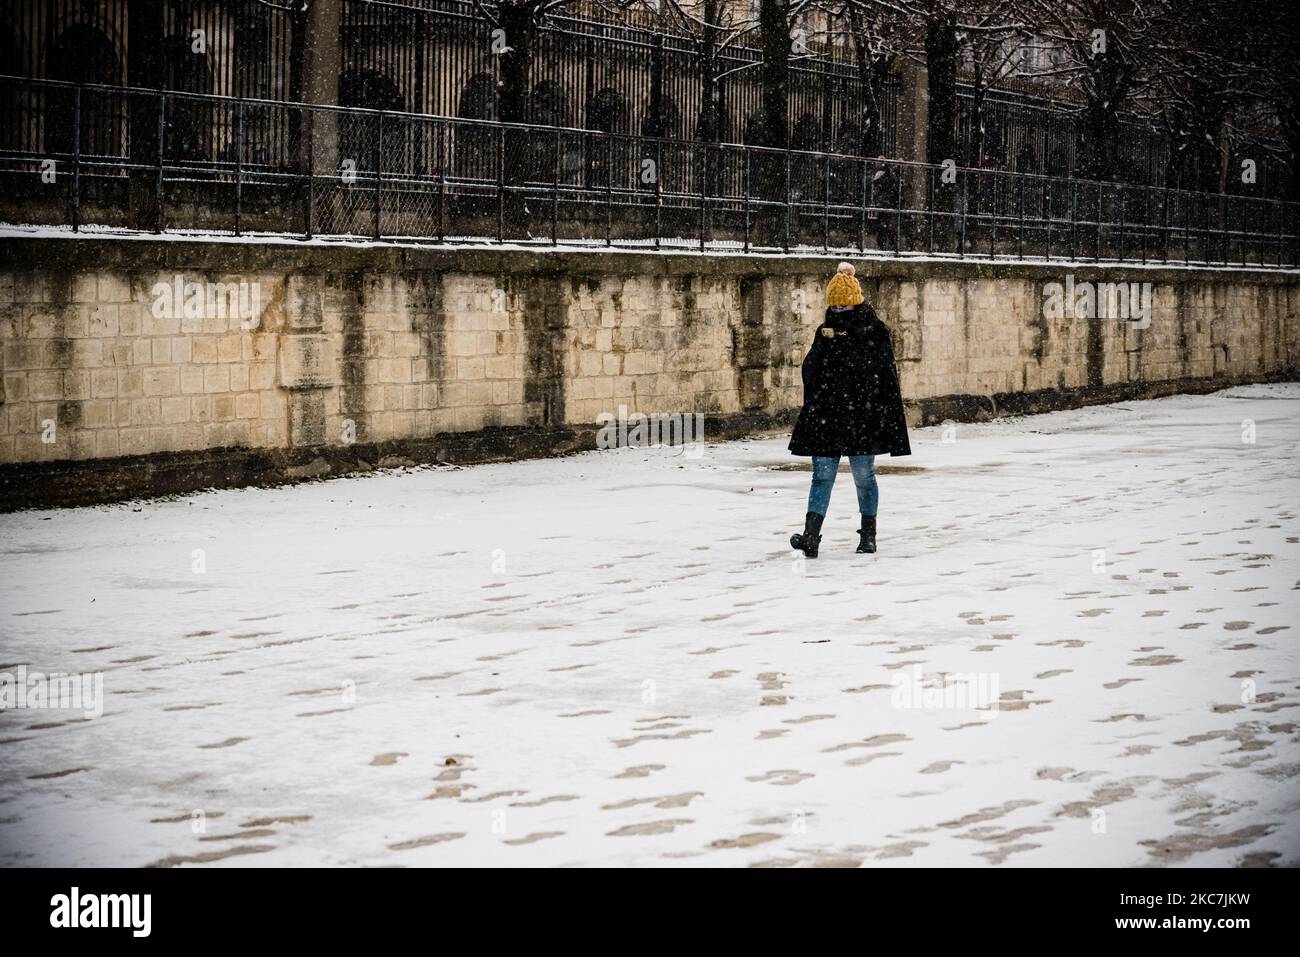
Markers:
<point>806,173</point>
<point>359,134</point>
<point>1026,159</point>
<point>476,147</point>
<point>550,106</point>
<point>848,139</point>
<point>713,122</point>
<point>189,121</point>
<point>478,101</point>
<point>1057,163</point>
<point>669,126</point>
<point>670,159</point>
<point>606,112</point>
<point>806,134</point>
<point>14,133</point>
<point>846,175</point>
<point>83,54</point>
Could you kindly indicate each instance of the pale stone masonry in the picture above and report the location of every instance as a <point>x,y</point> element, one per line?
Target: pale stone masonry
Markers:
<point>387,345</point>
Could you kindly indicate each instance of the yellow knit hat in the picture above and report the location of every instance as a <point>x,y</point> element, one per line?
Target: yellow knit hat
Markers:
<point>843,290</point>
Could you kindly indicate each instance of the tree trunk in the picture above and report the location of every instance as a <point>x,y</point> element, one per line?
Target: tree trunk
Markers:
<point>516,67</point>
<point>976,157</point>
<point>708,127</point>
<point>941,70</point>
<point>941,65</point>
<point>1106,94</point>
<point>774,29</point>
<point>1100,140</point>
<point>873,75</point>
<point>769,169</point>
<point>144,68</point>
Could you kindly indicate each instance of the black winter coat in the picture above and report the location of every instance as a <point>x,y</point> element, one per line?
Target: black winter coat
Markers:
<point>852,403</point>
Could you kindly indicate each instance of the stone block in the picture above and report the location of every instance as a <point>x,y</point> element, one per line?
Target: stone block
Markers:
<point>307,361</point>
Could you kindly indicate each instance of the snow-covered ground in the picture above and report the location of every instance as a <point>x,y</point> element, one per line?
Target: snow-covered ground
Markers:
<point>615,659</point>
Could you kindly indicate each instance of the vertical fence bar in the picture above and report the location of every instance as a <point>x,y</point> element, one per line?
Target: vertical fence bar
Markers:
<point>379,155</point>
<point>862,211</point>
<point>1263,243</point>
<point>162,145</point>
<point>787,201</point>
<point>609,189</point>
<point>443,152</point>
<point>1146,215</point>
<point>76,159</point>
<point>1187,231</point>
<point>1281,221</point>
<point>1020,216</point>
<point>657,194</point>
<point>1205,232</point>
<point>501,184</point>
<point>1245,206</point>
<point>239,163</point>
<point>1164,226</point>
<point>704,187</point>
<point>555,194</point>
<point>1047,216</point>
<point>929,199</point>
<point>961,231</point>
<point>1096,253</point>
<point>898,212</point>
<point>1074,194</point>
<point>311,172</point>
<point>748,153</point>
<point>1119,216</point>
<point>826,205</point>
<point>993,220</point>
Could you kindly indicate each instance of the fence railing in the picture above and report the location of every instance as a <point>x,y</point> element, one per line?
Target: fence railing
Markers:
<point>81,156</point>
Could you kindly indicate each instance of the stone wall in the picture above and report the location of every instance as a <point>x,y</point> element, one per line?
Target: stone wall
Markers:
<point>358,353</point>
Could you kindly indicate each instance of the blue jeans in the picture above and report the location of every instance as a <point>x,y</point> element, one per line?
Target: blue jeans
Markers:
<point>823,480</point>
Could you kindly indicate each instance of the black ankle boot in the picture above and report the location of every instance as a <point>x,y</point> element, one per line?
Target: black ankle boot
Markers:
<point>811,537</point>
<point>867,535</point>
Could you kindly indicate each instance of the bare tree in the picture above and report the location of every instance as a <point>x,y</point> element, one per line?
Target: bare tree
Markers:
<point>881,34</point>
<point>994,36</point>
<point>717,26</point>
<point>1108,49</point>
<point>1266,35</point>
<point>515,24</point>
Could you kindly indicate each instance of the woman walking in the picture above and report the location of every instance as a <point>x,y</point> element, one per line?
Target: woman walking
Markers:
<point>852,405</point>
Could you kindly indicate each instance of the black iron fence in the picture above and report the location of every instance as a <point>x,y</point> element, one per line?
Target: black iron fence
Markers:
<point>231,47</point>
<point>192,163</point>
<point>635,74</point>
<point>1034,134</point>
<point>626,71</point>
